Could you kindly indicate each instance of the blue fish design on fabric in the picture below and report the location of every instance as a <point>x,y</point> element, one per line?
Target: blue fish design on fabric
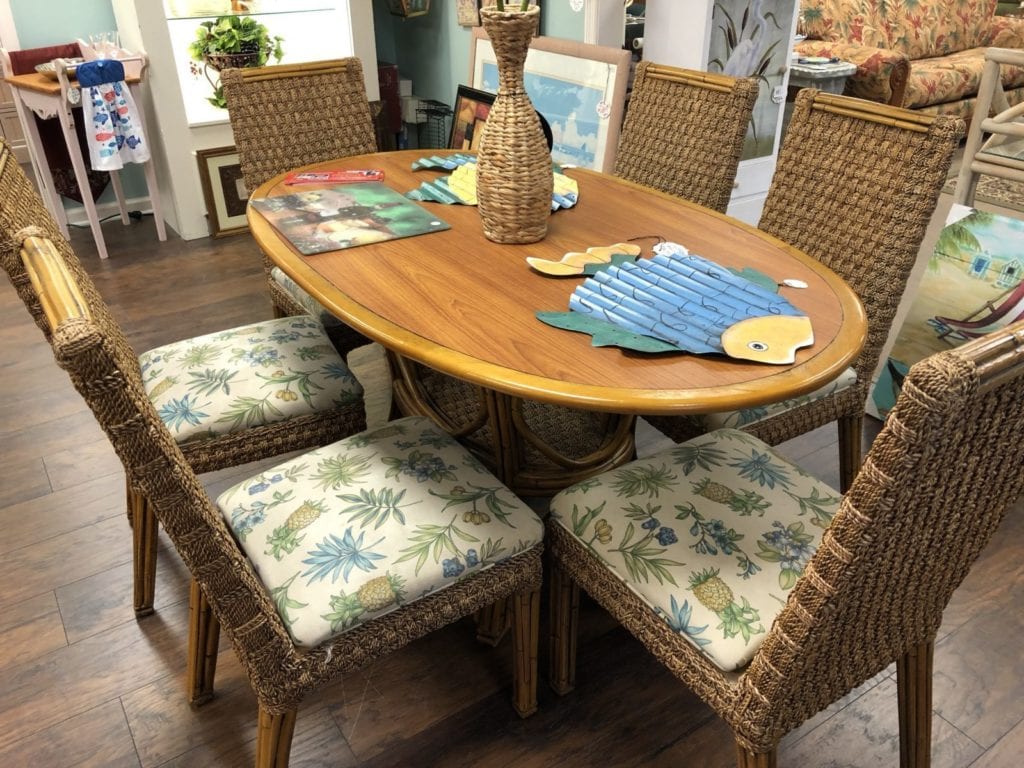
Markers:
<point>695,305</point>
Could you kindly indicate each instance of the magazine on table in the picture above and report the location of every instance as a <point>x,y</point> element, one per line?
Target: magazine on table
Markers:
<point>320,220</point>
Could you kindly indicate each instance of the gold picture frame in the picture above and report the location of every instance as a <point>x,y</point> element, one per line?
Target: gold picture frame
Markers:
<point>224,192</point>
<point>468,12</point>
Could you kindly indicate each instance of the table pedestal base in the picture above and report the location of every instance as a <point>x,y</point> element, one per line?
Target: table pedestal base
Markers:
<point>534,448</point>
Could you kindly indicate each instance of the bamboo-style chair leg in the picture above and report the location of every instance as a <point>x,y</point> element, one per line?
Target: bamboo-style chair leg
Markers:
<point>525,635</point>
<point>132,500</point>
<point>144,539</point>
<point>564,611</point>
<point>492,623</point>
<point>747,759</point>
<point>274,740</point>
<point>914,689</point>
<point>851,434</point>
<point>203,642</point>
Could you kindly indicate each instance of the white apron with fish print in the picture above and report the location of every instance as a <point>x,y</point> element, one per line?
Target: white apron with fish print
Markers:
<point>113,127</point>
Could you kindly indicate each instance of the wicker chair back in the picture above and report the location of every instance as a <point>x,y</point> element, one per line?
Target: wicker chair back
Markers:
<point>684,132</point>
<point>296,114</point>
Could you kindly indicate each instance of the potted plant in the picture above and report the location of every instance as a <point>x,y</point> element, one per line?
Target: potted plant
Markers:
<point>232,41</point>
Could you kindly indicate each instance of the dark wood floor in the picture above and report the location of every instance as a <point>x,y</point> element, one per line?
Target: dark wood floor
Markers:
<point>82,683</point>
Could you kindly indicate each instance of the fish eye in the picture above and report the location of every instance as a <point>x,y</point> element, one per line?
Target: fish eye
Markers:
<point>758,346</point>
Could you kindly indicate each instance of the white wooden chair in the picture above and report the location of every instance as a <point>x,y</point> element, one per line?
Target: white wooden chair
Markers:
<point>995,145</point>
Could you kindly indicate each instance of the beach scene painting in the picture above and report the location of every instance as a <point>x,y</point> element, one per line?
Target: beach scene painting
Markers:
<point>972,285</point>
<point>578,88</point>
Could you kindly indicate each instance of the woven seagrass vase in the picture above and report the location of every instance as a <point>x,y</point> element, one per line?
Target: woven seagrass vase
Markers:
<point>513,177</point>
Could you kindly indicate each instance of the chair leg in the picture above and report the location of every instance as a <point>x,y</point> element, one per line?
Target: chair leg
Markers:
<point>525,635</point>
<point>851,433</point>
<point>747,759</point>
<point>274,740</point>
<point>914,689</point>
<point>133,499</point>
<point>203,642</point>
<point>144,540</point>
<point>492,622</point>
<point>564,619</point>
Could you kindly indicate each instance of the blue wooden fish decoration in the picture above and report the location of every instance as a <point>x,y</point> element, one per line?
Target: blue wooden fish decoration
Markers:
<point>697,306</point>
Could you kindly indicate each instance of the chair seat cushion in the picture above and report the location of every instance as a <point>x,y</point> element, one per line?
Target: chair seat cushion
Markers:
<point>307,302</point>
<point>354,530</point>
<point>751,415</point>
<point>711,535</point>
<point>246,377</point>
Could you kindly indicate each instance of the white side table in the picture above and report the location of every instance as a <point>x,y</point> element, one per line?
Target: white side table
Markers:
<point>37,94</point>
<point>829,77</point>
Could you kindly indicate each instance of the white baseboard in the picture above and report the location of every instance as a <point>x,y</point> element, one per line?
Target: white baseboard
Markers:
<point>77,215</point>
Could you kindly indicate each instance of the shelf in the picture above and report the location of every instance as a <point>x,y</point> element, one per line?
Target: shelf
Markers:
<point>197,9</point>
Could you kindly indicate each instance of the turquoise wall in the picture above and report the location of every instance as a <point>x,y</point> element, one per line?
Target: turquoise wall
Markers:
<point>433,50</point>
<point>60,21</point>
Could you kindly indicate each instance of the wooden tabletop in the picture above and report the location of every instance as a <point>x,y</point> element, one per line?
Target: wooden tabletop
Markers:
<point>459,303</point>
<point>40,83</point>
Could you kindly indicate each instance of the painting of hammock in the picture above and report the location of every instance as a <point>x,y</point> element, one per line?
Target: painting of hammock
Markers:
<point>971,285</point>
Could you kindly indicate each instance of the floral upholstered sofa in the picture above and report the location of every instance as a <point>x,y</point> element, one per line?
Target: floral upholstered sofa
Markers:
<point>919,54</point>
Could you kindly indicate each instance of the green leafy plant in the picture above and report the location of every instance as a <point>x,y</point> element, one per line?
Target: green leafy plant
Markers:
<point>232,41</point>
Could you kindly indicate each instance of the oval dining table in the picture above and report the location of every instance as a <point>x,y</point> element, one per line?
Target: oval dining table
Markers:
<point>454,306</point>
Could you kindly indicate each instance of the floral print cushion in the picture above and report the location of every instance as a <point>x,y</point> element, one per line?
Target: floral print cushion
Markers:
<point>953,77</point>
<point>854,21</point>
<point>246,377</point>
<point>711,535</point>
<point>928,28</point>
<point>308,303</point>
<point>750,415</point>
<point>356,529</point>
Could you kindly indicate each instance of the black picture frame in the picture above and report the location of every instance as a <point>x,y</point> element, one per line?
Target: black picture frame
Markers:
<point>472,106</point>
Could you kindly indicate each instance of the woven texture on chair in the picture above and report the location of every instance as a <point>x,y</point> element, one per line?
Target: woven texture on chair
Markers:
<point>855,187</point>
<point>934,488</point>
<point>21,207</point>
<point>292,115</point>
<point>296,114</point>
<point>281,675</point>
<point>684,132</point>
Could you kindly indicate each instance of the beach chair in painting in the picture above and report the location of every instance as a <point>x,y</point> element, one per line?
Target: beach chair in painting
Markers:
<point>1009,309</point>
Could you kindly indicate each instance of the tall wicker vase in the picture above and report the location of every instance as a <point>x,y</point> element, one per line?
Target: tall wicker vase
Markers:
<point>513,177</point>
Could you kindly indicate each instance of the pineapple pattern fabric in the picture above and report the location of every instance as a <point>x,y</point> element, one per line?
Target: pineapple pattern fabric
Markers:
<point>356,529</point>
<point>247,377</point>
<point>747,416</point>
<point>711,535</point>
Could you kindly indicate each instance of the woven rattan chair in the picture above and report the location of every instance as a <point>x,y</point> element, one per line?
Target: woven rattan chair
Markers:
<point>293,421</point>
<point>292,115</point>
<point>855,187</point>
<point>726,589</point>
<point>995,145</point>
<point>684,132</point>
<point>322,564</point>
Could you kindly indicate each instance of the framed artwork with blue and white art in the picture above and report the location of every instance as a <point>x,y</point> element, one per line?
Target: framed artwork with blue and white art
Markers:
<point>579,88</point>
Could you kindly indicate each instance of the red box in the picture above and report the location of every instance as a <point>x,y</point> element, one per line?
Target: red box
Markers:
<point>387,78</point>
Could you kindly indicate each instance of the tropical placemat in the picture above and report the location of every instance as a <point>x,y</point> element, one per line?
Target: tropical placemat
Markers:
<point>995,191</point>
